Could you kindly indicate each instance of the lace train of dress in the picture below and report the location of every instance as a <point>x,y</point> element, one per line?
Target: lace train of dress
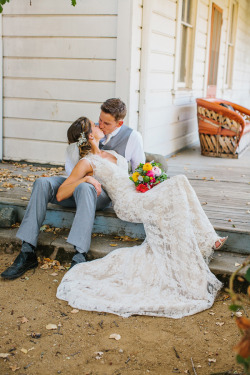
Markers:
<point>167,275</point>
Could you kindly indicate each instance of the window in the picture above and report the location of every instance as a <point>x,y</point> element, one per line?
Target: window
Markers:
<point>214,53</point>
<point>187,26</point>
<point>231,43</point>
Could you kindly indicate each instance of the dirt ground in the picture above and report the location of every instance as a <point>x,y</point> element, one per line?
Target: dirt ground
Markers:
<point>81,342</point>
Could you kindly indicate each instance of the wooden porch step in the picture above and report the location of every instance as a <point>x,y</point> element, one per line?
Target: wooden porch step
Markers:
<point>106,222</point>
<point>56,247</point>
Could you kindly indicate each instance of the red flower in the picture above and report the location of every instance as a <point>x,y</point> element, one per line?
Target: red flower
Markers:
<point>142,188</point>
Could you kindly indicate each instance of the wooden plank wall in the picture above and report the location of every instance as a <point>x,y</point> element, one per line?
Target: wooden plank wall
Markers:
<point>59,63</point>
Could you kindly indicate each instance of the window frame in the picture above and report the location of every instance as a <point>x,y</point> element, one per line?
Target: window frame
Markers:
<point>189,49</point>
<point>230,43</point>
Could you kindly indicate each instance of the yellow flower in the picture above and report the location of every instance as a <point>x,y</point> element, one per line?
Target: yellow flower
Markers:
<point>147,167</point>
<point>135,176</point>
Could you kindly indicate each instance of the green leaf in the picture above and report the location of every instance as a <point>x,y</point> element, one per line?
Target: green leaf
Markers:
<point>247,275</point>
<point>4,1</point>
<point>73,2</point>
<point>240,359</point>
<point>234,307</point>
<point>245,362</point>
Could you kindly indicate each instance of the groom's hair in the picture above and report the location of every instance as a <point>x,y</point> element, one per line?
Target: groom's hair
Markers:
<point>115,107</point>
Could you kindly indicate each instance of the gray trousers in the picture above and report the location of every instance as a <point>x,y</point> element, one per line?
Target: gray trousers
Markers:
<point>84,199</point>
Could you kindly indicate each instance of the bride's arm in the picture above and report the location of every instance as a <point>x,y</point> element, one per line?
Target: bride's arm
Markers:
<point>77,176</point>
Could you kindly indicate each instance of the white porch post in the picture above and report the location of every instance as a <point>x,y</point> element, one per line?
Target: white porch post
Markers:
<point>1,86</point>
<point>145,68</point>
<point>126,57</point>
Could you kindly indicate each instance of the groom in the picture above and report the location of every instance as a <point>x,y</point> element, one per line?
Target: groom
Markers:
<point>87,198</point>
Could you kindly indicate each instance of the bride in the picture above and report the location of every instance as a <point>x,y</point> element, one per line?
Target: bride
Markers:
<point>167,275</point>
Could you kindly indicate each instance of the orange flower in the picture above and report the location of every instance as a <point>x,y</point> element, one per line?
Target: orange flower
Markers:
<point>243,347</point>
<point>243,323</point>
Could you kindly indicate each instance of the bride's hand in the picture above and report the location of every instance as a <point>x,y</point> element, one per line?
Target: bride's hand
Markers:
<point>91,180</point>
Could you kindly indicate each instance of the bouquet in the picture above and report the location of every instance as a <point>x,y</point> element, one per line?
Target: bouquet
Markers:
<point>148,175</point>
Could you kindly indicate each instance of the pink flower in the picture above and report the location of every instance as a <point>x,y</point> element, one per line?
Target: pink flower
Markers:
<point>157,171</point>
<point>151,173</point>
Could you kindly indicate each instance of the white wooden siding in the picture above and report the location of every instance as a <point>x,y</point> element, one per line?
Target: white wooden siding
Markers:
<point>166,127</point>
<point>67,48</point>
<point>85,91</point>
<point>80,69</point>
<point>60,26</point>
<point>241,72</point>
<point>167,115</point>
<point>61,7</point>
<point>59,63</point>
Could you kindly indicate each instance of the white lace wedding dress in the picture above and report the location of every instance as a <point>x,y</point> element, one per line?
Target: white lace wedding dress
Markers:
<point>167,275</point>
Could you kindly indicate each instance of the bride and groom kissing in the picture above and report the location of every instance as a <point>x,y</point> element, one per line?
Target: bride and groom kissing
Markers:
<point>165,276</point>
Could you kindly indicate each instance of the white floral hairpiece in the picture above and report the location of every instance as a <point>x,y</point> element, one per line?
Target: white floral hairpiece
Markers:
<point>82,139</point>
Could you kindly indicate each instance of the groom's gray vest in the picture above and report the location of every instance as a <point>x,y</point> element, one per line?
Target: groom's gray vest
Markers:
<point>119,142</point>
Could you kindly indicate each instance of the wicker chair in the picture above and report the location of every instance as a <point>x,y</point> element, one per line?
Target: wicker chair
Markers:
<point>223,132</point>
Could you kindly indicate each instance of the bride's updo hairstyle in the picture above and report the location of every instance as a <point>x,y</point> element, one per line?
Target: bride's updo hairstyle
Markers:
<point>79,132</point>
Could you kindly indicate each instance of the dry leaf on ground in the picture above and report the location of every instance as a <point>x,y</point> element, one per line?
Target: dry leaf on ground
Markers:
<point>211,360</point>
<point>238,314</point>
<point>51,326</point>
<point>14,368</point>
<point>115,336</point>
<point>74,311</point>
<point>99,355</point>
<point>4,355</point>
<point>24,320</point>
<point>44,267</point>
<point>8,185</point>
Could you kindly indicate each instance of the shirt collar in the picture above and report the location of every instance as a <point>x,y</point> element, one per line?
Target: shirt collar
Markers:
<point>116,131</point>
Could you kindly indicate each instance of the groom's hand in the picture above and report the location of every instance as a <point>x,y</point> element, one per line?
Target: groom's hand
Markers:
<point>91,180</point>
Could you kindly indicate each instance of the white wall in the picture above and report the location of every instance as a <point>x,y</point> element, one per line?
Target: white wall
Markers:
<point>240,92</point>
<point>59,63</point>
<point>168,114</point>
<point>167,118</point>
